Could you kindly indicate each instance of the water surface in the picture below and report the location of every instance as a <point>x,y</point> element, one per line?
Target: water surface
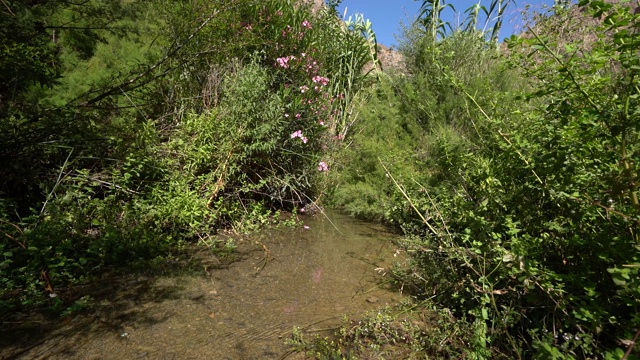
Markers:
<point>305,277</point>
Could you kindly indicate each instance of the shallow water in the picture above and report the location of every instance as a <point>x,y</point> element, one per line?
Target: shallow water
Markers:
<point>307,278</point>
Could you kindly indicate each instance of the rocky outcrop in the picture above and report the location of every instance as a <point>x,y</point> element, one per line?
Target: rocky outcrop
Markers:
<point>390,59</point>
<point>315,4</point>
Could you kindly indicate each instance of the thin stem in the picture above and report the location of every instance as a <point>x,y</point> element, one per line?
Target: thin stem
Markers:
<point>409,199</point>
<point>8,8</point>
<point>504,136</point>
<point>631,346</point>
<point>58,181</point>
<point>569,72</point>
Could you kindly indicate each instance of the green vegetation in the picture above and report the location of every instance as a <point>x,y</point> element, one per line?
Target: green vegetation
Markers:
<point>130,129</point>
<point>513,173</point>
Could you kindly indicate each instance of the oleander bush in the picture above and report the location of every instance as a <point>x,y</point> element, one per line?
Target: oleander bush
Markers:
<point>131,129</point>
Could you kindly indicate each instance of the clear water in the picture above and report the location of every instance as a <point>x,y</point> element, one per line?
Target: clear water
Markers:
<point>309,278</point>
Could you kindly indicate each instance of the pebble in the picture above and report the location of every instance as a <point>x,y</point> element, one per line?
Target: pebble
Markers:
<point>372,299</point>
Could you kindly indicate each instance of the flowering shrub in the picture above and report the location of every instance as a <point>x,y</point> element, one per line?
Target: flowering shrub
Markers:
<point>301,51</point>
<point>243,97</point>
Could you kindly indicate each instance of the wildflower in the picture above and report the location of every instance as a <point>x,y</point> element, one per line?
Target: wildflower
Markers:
<point>306,227</point>
<point>283,62</point>
<point>306,24</point>
<point>321,123</point>
<point>320,80</point>
<point>286,115</point>
<point>322,166</point>
<point>298,116</point>
<point>304,88</point>
<point>298,134</point>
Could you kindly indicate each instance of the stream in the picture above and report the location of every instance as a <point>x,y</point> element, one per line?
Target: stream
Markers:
<point>307,277</point>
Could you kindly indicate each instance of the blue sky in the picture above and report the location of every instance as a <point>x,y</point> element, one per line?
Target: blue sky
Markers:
<point>386,15</point>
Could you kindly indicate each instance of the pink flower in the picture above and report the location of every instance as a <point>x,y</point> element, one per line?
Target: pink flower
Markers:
<point>320,80</point>
<point>298,116</point>
<point>322,166</point>
<point>296,134</point>
<point>283,62</point>
<point>306,24</point>
<point>306,227</point>
<point>304,88</point>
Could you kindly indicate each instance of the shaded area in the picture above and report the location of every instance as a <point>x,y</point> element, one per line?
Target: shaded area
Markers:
<point>289,277</point>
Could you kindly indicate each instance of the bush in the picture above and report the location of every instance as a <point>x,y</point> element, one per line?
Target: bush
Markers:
<point>520,194</point>
<point>123,144</point>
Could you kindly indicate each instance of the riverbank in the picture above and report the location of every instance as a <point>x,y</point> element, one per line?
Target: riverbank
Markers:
<point>307,277</point>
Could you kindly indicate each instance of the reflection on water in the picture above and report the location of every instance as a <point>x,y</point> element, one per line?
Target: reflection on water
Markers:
<point>299,277</point>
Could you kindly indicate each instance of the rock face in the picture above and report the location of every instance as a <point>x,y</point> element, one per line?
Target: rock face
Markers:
<point>576,25</point>
<point>390,59</point>
<point>315,4</point>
